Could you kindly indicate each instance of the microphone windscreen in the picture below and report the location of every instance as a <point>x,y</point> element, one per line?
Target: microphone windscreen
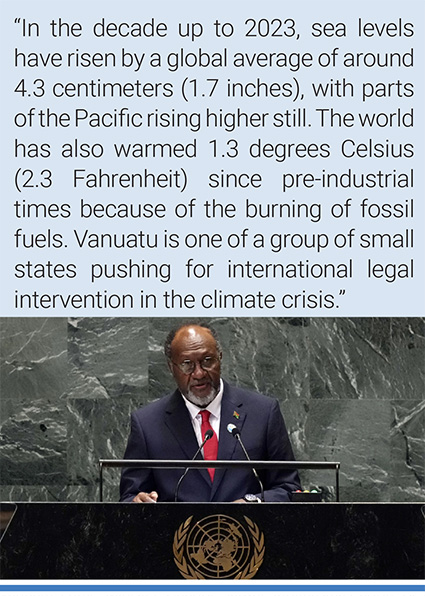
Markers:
<point>209,433</point>
<point>233,430</point>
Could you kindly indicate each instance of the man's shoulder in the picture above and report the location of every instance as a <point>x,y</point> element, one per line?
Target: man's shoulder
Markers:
<point>157,406</point>
<point>247,395</point>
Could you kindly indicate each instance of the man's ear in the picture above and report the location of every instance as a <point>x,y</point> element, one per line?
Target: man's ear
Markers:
<point>170,366</point>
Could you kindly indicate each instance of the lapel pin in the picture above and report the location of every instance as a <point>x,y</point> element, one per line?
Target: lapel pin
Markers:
<point>236,415</point>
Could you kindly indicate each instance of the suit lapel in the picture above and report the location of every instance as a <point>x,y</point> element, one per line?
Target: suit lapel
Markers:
<point>177,419</point>
<point>227,443</point>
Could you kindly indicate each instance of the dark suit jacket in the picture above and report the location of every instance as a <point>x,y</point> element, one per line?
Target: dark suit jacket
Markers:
<point>163,430</point>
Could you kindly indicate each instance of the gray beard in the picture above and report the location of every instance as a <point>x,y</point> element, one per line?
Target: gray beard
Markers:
<point>202,402</point>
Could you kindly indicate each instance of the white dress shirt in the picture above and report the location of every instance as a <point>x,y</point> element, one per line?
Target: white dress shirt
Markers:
<point>214,408</point>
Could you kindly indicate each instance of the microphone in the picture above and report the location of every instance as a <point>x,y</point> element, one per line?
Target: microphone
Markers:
<point>233,430</point>
<point>209,433</point>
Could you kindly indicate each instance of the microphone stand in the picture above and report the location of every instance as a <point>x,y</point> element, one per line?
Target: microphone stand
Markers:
<point>237,433</point>
<point>207,437</point>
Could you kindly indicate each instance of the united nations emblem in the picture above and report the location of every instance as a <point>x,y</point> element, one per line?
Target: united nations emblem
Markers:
<point>218,547</point>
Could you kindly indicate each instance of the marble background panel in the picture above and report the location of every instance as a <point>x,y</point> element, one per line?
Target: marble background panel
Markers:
<point>97,346</point>
<point>351,390</point>
<point>269,356</point>
<point>33,382</point>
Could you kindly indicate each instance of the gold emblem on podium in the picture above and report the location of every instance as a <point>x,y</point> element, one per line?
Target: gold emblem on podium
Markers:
<point>218,547</point>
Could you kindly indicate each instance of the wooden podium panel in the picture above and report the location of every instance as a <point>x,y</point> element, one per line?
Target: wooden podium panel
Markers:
<point>214,541</point>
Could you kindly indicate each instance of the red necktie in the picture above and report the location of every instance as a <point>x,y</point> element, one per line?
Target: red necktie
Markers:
<point>211,446</point>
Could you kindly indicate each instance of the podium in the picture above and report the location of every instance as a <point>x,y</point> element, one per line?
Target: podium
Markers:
<point>225,541</point>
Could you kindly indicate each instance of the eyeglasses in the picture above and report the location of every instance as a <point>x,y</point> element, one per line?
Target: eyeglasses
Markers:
<point>188,366</point>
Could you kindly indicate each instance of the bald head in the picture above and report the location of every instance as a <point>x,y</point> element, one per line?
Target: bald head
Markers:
<point>171,335</point>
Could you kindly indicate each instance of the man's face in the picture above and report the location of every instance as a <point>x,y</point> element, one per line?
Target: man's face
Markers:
<point>194,344</point>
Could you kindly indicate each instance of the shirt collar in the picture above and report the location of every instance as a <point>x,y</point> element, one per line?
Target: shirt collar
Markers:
<point>214,407</point>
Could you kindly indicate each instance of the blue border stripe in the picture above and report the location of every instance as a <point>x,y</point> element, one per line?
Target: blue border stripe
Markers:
<point>210,588</point>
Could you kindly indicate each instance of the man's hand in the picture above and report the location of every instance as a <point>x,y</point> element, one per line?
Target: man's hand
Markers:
<point>146,497</point>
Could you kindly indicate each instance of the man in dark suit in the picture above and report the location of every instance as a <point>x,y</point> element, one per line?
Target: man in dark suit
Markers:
<point>174,427</point>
